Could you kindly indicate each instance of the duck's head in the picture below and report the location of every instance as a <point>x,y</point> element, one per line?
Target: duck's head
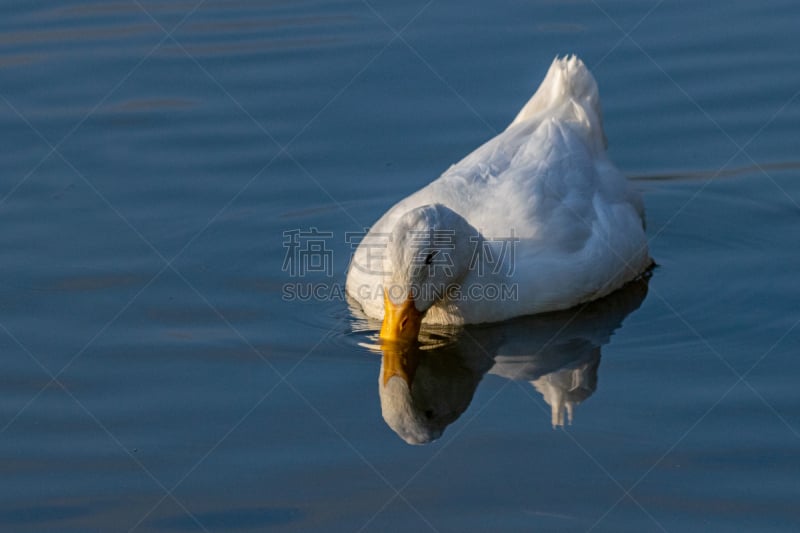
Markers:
<point>429,252</point>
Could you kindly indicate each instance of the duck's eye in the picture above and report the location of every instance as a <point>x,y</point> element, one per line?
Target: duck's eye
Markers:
<point>429,414</point>
<point>429,258</point>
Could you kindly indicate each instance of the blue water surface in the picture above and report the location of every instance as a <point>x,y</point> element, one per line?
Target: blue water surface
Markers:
<point>155,377</point>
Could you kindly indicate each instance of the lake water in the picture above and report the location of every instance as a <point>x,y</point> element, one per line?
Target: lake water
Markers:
<point>158,155</point>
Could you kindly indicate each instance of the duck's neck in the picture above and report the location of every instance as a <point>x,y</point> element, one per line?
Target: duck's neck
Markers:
<point>489,280</point>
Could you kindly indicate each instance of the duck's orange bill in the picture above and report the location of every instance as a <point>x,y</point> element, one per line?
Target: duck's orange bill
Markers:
<point>400,322</point>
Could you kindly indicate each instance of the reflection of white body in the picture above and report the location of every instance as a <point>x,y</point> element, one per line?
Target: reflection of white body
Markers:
<point>546,182</point>
<point>562,389</point>
<point>565,389</point>
<point>559,353</point>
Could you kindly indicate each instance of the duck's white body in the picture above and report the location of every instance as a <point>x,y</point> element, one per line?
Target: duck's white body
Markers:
<point>576,225</point>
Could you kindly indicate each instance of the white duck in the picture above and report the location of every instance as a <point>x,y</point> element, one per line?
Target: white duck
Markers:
<point>537,219</point>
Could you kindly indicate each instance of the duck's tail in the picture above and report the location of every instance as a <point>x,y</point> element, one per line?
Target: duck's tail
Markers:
<point>568,92</point>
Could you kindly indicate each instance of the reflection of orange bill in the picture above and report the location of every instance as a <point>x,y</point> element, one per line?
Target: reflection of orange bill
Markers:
<point>401,322</point>
<point>399,362</point>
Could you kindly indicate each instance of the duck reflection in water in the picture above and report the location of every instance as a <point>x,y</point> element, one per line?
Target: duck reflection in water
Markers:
<point>426,386</point>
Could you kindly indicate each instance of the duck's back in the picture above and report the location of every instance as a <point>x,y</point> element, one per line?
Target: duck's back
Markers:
<point>548,167</point>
